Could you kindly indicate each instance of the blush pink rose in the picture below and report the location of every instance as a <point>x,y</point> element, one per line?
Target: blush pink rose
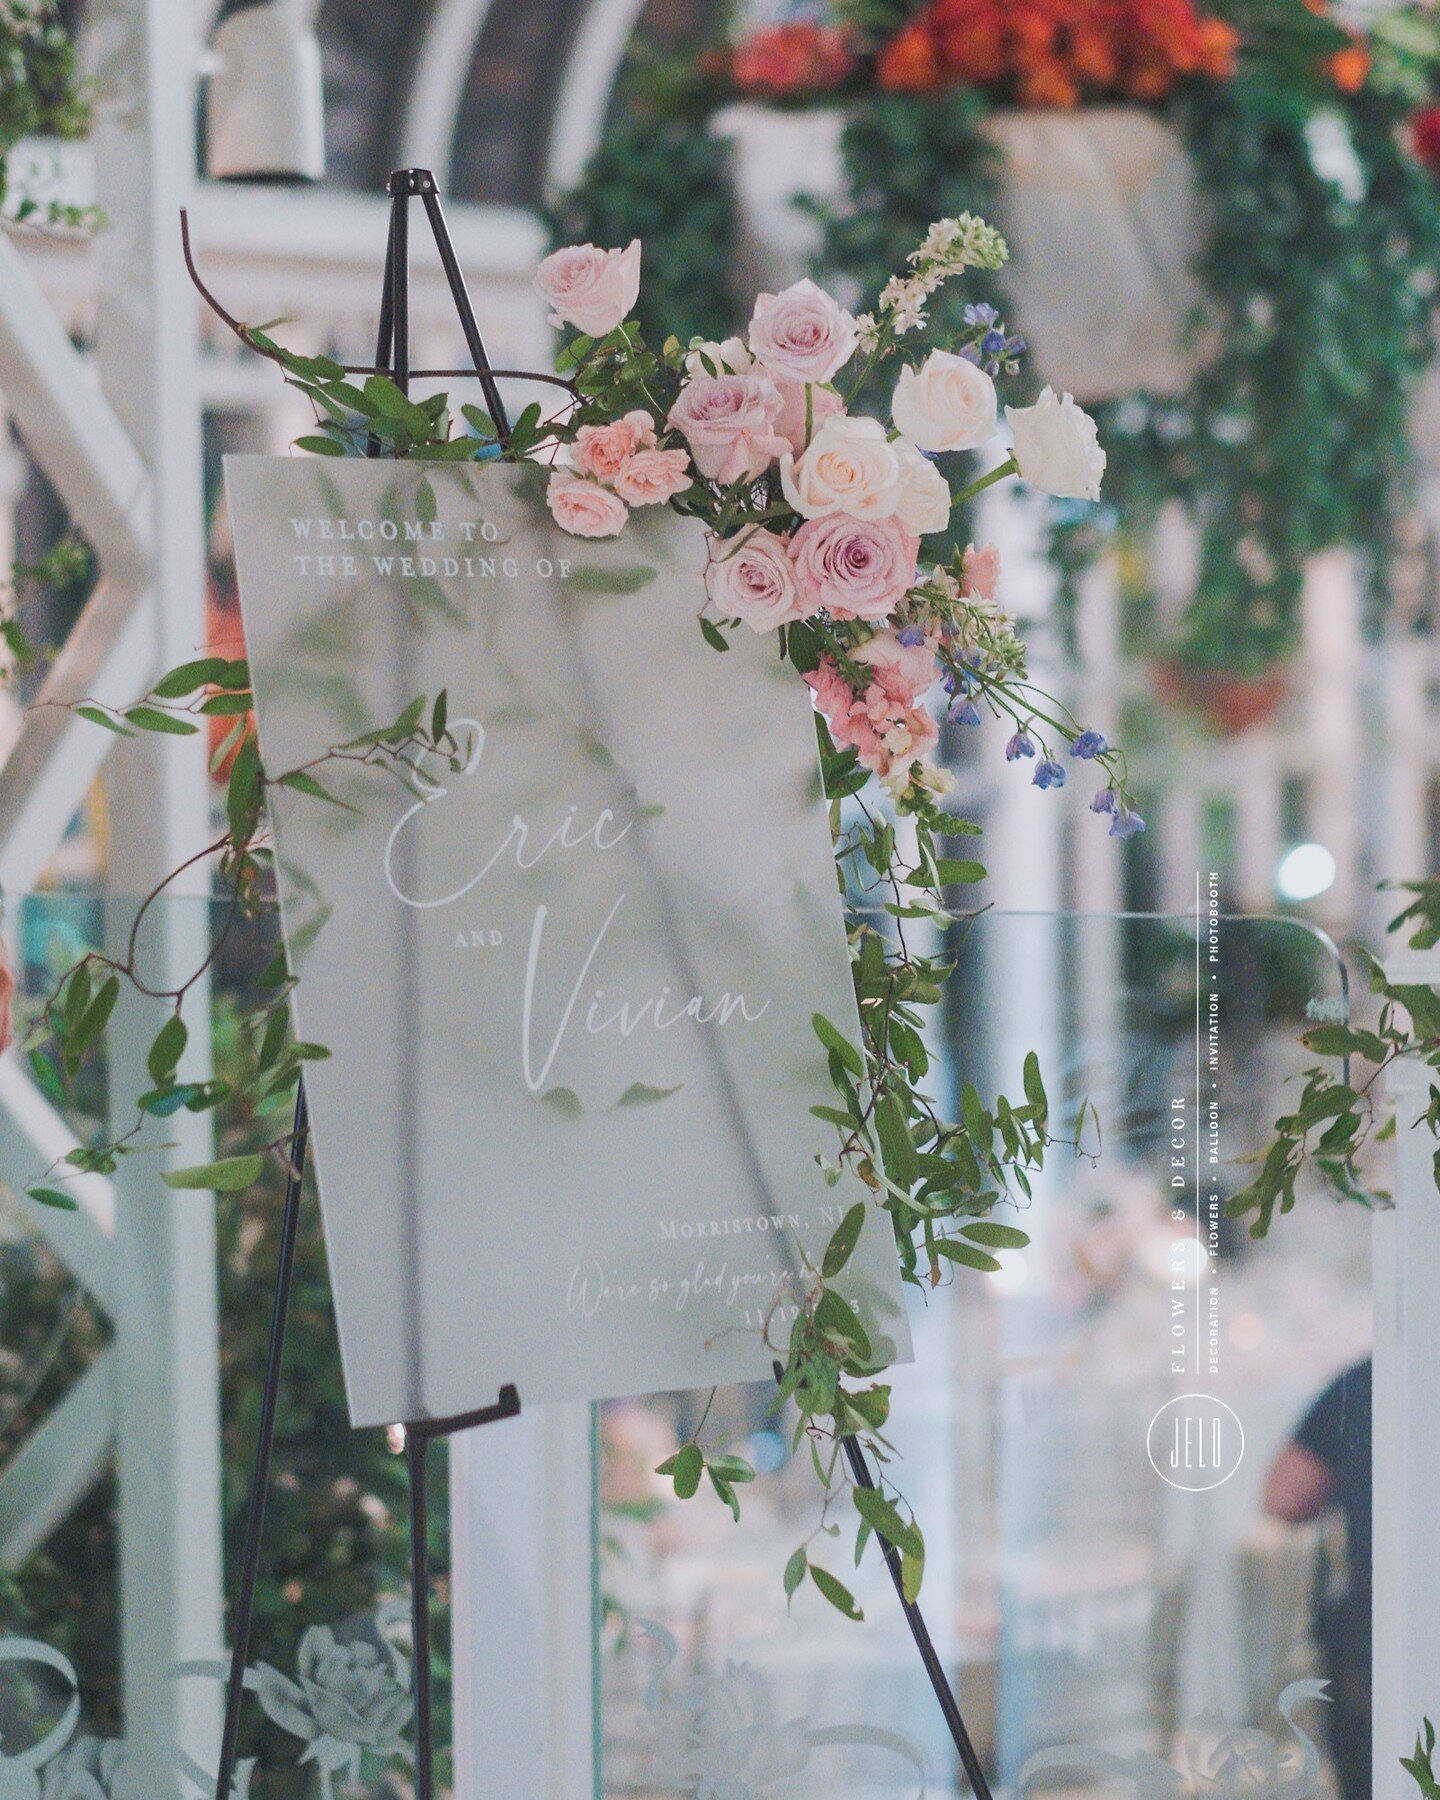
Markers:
<point>802,333</point>
<point>593,290</point>
<point>7,999</point>
<point>825,403</point>
<point>652,476</point>
<point>755,582</point>
<point>982,571</point>
<point>906,672</point>
<point>854,568</point>
<point>729,422</point>
<point>584,508</point>
<point>601,451</point>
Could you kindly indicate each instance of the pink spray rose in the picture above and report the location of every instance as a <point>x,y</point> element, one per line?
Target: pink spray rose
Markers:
<point>755,582</point>
<point>729,421</point>
<point>982,571</point>
<point>584,508</point>
<point>802,333</point>
<point>593,290</point>
<point>854,568</point>
<point>824,404</point>
<point>650,477</point>
<point>601,451</point>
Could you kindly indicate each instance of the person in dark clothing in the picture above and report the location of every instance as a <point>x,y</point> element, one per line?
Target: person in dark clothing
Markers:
<point>1325,1466</point>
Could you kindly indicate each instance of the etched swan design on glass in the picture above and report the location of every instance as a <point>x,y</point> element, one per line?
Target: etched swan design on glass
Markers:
<point>1223,1762</point>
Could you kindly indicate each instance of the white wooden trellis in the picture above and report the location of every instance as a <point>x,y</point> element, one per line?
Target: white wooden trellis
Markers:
<point>123,453</point>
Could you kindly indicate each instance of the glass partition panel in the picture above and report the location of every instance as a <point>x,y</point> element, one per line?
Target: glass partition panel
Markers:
<point>329,1708</point>
<point>1085,1437</point>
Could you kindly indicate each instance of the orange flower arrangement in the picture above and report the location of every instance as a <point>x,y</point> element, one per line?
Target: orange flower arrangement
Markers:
<point>794,59</point>
<point>1058,52</point>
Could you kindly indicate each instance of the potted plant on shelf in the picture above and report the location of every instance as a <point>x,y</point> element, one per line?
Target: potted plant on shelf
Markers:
<point>1228,199</point>
<point>40,97</point>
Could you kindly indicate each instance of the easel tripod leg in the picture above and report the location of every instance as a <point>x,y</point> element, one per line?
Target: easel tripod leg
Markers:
<point>417,1445</point>
<point>265,1444</point>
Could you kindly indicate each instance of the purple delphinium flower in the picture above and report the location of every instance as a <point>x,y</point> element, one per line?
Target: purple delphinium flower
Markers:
<point>971,354</point>
<point>1022,744</point>
<point>1104,801</point>
<point>1015,345</point>
<point>993,342</point>
<point>1089,744</point>
<point>911,637</point>
<point>1125,824</point>
<point>965,712</point>
<point>1049,774</point>
<point>980,312</point>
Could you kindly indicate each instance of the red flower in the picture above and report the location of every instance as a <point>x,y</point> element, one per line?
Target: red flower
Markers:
<point>1425,137</point>
<point>793,60</point>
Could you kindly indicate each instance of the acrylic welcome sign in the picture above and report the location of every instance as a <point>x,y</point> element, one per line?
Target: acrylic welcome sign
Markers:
<point>563,1137</point>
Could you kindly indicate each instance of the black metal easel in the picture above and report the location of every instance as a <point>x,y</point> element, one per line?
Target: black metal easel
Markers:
<point>392,357</point>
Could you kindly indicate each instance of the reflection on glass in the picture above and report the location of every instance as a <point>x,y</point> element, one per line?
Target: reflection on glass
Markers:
<point>1111,1599</point>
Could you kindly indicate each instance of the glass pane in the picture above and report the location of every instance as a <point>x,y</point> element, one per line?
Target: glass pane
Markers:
<point>1101,1572</point>
<point>331,1666</point>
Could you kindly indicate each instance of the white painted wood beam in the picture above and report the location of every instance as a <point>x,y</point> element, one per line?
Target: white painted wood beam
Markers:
<point>59,1464</point>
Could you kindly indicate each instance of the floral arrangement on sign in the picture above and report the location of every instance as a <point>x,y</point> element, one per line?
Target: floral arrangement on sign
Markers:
<point>1318,263</point>
<point>816,513</point>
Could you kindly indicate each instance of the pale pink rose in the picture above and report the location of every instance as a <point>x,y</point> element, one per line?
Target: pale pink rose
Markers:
<point>653,476</point>
<point>755,582</point>
<point>729,423</point>
<point>802,333</point>
<point>601,451</point>
<point>945,404</point>
<point>906,672</point>
<point>854,568</point>
<point>924,500</point>
<point>982,571</point>
<point>593,290</point>
<point>851,467</point>
<point>584,508</point>
<point>825,404</point>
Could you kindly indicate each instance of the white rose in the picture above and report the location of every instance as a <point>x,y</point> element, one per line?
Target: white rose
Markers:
<point>731,357</point>
<point>923,504</point>
<point>945,404</point>
<point>1057,447</point>
<point>850,467</point>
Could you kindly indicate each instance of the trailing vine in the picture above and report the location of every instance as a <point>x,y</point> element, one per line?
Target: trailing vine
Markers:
<point>40,96</point>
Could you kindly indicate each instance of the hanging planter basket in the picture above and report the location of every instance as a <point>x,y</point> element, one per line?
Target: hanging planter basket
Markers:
<point>1099,206</point>
<point>1231,703</point>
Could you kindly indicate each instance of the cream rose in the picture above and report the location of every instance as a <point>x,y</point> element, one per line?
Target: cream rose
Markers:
<point>1057,447</point>
<point>802,333</point>
<point>729,423</point>
<point>584,508</point>
<point>652,476</point>
<point>854,568</point>
<point>754,582</point>
<point>593,290</point>
<point>945,404</point>
<point>850,467</point>
<point>923,502</point>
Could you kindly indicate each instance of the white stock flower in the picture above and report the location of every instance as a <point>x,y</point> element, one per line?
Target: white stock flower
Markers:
<point>945,404</point>
<point>850,467</point>
<point>1057,446</point>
